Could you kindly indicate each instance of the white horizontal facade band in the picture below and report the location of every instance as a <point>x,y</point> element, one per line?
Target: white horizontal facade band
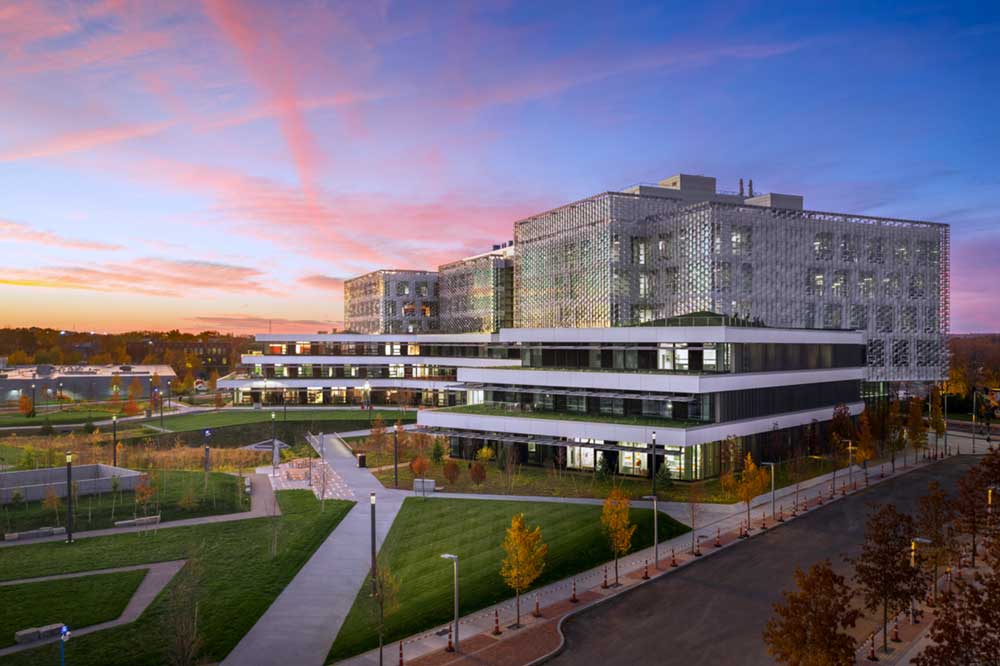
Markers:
<point>618,432</point>
<point>334,383</point>
<point>656,381</point>
<point>450,362</point>
<point>414,338</point>
<point>656,334</point>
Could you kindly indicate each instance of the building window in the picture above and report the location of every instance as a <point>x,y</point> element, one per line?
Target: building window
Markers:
<point>815,281</point>
<point>901,252</point>
<point>823,246</point>
<point>413,350</point>
<point>409,309</point>
<point>402,289</point>
<point>917,289</point>
<point>908,319</point>
<point>721,276</point>
<point>646,282</point>
<point>639,247</point>
<point>876,353</point>
<point>866,285</point>
<point>884,316</point>
<point>832,313</point>
<point>859,316</point>
<point>900,353</point>
<point>740,239</point>
<point>746,278</point>
<point>397,370</point>
<point>875,250</point>
<point>849,248</point>
<point>664,245</point>
<point>422,290</point>
<point>838,287</point>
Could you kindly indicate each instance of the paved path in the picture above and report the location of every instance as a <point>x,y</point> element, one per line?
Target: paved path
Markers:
<point>160,573</point>
<point>301,624</point>
<point>262,503</point>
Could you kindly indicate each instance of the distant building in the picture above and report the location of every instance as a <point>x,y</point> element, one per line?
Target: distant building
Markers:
<point>79,382</point>
<point>220,354</point>
<point>477,294</point>
<point>389,301</point>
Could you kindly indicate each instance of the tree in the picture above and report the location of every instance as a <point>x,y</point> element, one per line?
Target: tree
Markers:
<point>752,482</point>
<point>916,429</point>
<point>525,558</point>
<point>52,502</point>
<point>144,491</point>
<point>451,471</point>
<point>938,424</point>
<point>508,462</point>
<point>382,601</point>
<point>617,526</point>
<point>213,379</point>
<point>25,406</point>
<point>131,408</point>
<point>967,627</point>
<point>883,570</point>
<point>809,627</point>
<point>840,423</point>
<point>437,452</point>
<point>134,388</point>
<point>934,518</point>
<point>376,438</point>
<point>419,467</point>
<point>19,357</point>
<point>219,401</point>
<point>970,506</point>
<point>477,472</point>
<point>180,622</point>
<point>894,431</point>
<point>116,387</point>
<point>866,442</point>
<point>155,380</point>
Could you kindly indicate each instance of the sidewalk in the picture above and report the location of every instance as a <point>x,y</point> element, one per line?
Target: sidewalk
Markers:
<point>540,636</point>
<point>301,624</point>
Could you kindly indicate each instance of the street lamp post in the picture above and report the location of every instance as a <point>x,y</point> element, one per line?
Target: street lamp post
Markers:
<point>946,424</point>
<point>60,396</point>
<point>656,532</point>
<point>274,448</point>
<point>773,469</point>
<point>652,465</point>
<point>64,635</point>
<point>374,565</point>
<point>850,462</point>
<point>454,561</point>
<point>159,400</point>
<point>69,497</point>
<point>34,411</point>
<point>114,440</point>
<point>368,402</point>
<point>989,505</point>
<point>395,457</point>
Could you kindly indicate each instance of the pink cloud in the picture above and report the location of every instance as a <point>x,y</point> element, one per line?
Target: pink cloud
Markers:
<point>15,231</point>
<point>322,282</point>
<point>78,141</point>
<point>975,275</point>
<point>257,324</point>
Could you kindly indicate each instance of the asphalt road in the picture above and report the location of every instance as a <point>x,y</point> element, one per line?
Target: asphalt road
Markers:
<point>714,612</point>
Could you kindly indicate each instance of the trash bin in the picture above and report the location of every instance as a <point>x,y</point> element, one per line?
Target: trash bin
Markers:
<point>361,460</point>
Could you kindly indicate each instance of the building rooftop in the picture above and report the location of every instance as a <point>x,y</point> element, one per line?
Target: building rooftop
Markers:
<point>50,372</point>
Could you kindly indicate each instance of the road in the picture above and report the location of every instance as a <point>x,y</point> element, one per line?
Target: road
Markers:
<point>714,612</point>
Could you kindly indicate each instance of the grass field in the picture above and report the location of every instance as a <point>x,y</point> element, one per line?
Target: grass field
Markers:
<point>75,602</point>
<point>224,494</point>
<point>223,418</point>
<point>54,418</point>
<point>531,480</point>
<point>238,579</point>
<point>473,530</point>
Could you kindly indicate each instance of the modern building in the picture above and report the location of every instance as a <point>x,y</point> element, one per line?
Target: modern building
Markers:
<point>681,246</point>
<point>352,369</point>
<point>218,353</point>
<point>477,294</point>
<point>391,301</point>
<point>80,382</point>
<point>707,390</point>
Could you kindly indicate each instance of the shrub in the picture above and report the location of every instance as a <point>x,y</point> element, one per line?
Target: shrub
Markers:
<point>89,427</point>
<point>419,467</point>
<point>451,471</point>
<point>437,453</point>
<point>485,454</point>
<point>16,498</point>
<point>604,468</point>
<point>477,472</point>
<point>663,476</point>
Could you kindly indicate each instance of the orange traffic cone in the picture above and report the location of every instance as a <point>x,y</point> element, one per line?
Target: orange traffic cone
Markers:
<point>400,653</point>
<point>895,633</point>
<point>604,584</point>
<point>573,598</point>
<point>763,520</point>
<point>645,571</point>
<point>871,650</point>
<point>781,514</point>
<point>718,538</point>
<point>673,558</point>
<point>538,611</point>
<point>843,490</point>
<point>496,622</point>
<point>451,646</point>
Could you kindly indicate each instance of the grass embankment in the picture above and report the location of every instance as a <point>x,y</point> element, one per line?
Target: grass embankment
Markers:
<point>538,481</point>
<point>75,602</point>
<point>474,530</point>
<point>237,579</point>
<point>178,495</point>
<point>357,419</point>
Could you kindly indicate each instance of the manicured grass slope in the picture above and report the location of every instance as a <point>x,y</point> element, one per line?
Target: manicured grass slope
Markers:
<point>474,530</point>
<point>94,511</point>
<point>233,417</point>
<point>54,418</point>
<point>76,602</point>
<point>239,579</point>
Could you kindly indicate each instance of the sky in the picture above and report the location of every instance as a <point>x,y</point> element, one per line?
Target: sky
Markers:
<point>225,165</point>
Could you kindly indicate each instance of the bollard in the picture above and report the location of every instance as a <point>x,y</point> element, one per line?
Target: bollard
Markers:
<point>400,653</point>
<point>895,633</point>
<point>871,650</point>
<point>604,584</point>
<point>496,622</point>
<point>573,598</point>
<point>451,646</point>
<point>538,611</point>
<point>673,558</point>
<point>645,571</point>
<point>718,537</point>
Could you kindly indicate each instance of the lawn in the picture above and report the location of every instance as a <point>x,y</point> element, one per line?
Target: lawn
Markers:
<point>493,410</point>
<point>237,579</point>
<point>223,418</point>
<point>54,418</point>
<point>179,494</point>
<point>75,602</point>
<point>473,530</point>
<point>538,481</point>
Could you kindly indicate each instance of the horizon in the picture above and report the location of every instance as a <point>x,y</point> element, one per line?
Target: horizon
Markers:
<point>226,165</point>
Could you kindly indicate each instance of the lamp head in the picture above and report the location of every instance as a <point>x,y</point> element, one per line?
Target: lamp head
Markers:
<point>449,556</point>
<point>69,457</point>
<point>372,498</point>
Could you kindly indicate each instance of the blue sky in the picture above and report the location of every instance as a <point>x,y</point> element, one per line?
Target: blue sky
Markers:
<point>223,164</point>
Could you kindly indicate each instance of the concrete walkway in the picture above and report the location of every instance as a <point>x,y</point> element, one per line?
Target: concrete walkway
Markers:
<point>302,623</point>
<point>262,504</point>
<point>159,574</point>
